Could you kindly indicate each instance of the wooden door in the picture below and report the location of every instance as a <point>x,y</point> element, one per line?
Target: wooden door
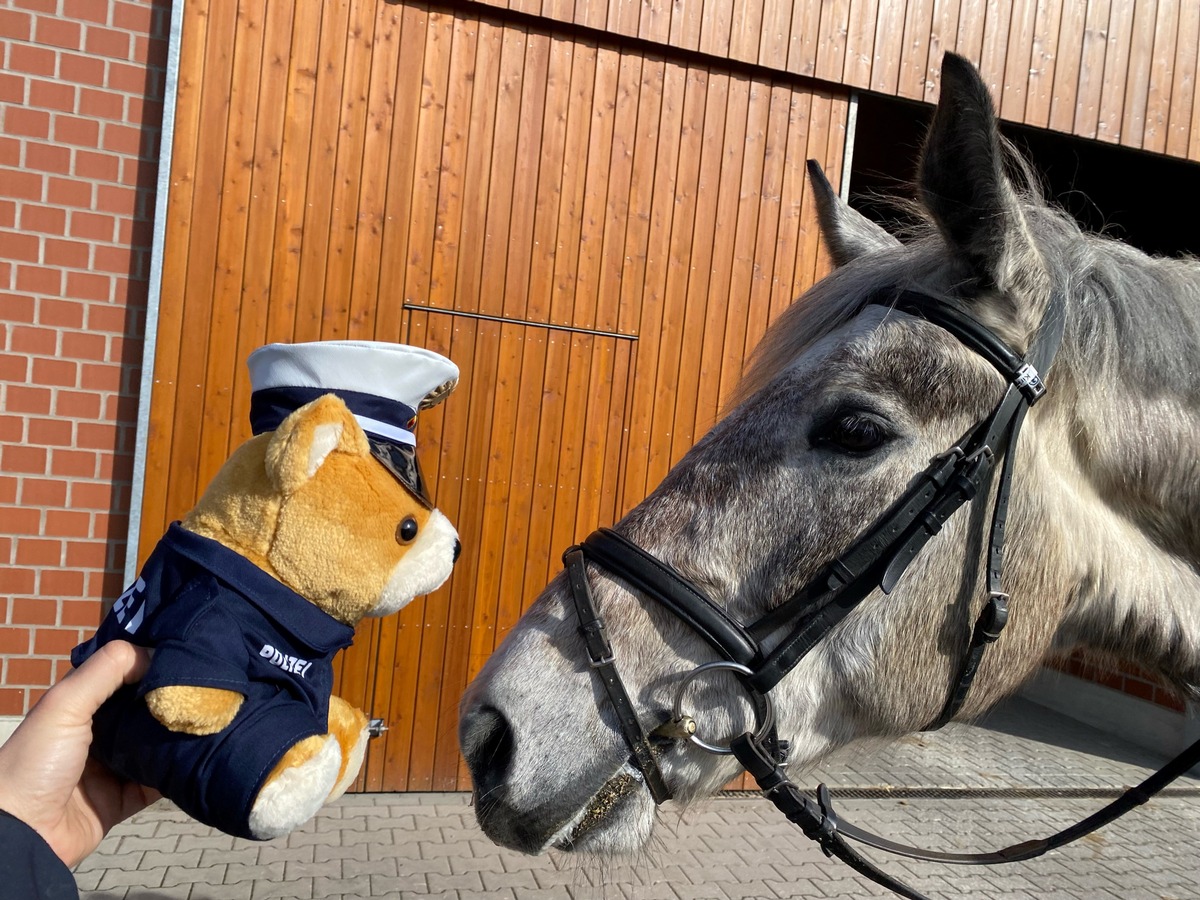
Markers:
<point>596,233</point>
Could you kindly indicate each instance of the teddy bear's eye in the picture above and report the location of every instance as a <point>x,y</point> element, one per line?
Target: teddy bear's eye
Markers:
<point>406,531</point>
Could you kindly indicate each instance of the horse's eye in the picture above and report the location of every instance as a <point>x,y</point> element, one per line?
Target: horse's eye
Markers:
<point>406,531</point>
<point>854,433</point>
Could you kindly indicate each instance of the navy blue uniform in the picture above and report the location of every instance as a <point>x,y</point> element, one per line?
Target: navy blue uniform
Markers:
<point>29,870</point>
<point>214,619</point>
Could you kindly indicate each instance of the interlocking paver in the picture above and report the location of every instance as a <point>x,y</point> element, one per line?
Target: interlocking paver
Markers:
<point>417,846</point>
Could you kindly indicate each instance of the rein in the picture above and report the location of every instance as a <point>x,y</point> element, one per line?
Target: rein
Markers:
<point>876,559</point>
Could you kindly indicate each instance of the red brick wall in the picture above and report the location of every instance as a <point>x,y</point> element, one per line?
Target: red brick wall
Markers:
<point>81,91</point>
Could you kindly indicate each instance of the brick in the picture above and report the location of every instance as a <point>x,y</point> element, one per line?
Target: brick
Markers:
<point>30,460</point>
<point>119,200</point>
<point>68,192</point>
<point>76,404</point>
<point>56,372</point>
<point>82,345</point>
<point>39,552</point>
<point>97,166</point>
<point>94,226</point>
<point>87,554</point>
<point>76,130</point>
<point>96,435</point>
<point>106,318</point>
<point>36,5</point>
<point>135,17</point>
<point>66,254</point>
<point>56,32</point>
<point>55,641</point>
<point>24,122</point>
<point>34,340</point>
<point>14,367</point>
<point>29,671</point>
<point>21,520</point>
<point>21,185</point>
<point>31,60</point>
<point>65,583</point>
<point>48,158</point>
<point>43,492</point>
<point>112,259</point>
<point>80,68</point>
<point>65,522</point>
<point>16,25</point>
<point>52,95</point>
<point>12,430</point>
<point>100,377</point>
<point>86,11</point>
<point>51,432</point>
<point>107,42</point>
<point>86,286</point>
<point>128,78</point>
<point>28,610</point>
<point>39,280</point>
<point>12,701</point>
<point>22,247</point>
<point>88,495</point>
<point>101,104</point>
<point>73,463</point>
<point>123,139</point>
<point>10,152</point>
<point>48,219</point>
<point>61,314</point>
<point>14,640</point>
<point>12,88</point>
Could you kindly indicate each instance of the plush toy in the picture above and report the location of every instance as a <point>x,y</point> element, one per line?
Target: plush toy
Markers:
<point>320,519</point>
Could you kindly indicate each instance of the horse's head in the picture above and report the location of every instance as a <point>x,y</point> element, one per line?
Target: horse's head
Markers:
<point>845,402</point>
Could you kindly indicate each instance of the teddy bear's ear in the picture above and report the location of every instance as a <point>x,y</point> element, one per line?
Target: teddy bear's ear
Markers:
<point>303,441</point>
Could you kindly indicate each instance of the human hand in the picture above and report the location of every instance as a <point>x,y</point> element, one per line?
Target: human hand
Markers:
<point>47,779</point>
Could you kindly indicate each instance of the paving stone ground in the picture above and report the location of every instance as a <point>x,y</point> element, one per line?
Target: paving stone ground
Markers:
<point>735,847</point>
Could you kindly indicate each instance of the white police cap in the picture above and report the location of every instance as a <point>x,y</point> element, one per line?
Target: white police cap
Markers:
<point>382,384</point>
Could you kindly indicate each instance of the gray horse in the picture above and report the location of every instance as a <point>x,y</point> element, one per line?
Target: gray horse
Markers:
<point>842,404</point>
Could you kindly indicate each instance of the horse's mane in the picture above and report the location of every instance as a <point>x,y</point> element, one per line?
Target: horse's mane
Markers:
<point>1117,296</point>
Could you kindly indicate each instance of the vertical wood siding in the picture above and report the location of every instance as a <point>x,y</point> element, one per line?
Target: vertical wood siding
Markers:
<point>1123,71</point>
<point>596,235</point>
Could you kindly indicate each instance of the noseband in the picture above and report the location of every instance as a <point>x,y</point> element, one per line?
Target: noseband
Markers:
<point>875,559</point>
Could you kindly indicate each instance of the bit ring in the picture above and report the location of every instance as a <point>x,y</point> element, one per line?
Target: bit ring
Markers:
<point>765,710</point>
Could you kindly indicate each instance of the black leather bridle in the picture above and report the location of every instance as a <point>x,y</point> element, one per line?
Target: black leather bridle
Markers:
<point>874,560</point>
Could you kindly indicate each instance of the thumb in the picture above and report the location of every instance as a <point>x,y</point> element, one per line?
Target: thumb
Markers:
<point>77,697</point>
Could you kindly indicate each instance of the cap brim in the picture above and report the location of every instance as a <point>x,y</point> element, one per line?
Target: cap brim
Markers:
<point>401,461</point>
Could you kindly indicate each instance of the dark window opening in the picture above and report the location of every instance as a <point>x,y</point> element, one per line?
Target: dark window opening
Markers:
<point>1141,198</point>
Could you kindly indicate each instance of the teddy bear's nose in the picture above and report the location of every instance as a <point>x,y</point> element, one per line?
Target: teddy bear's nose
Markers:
<point>457,549</point>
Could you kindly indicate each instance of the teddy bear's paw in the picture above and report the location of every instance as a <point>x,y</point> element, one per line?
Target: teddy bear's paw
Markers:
<point>353,763</point>
<point>194,710</point>
<point>297,788</point>
<point>349,725</point>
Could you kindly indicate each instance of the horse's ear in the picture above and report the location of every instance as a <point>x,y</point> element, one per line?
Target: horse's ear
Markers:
<point>962,181</point>
<point>848,233</point>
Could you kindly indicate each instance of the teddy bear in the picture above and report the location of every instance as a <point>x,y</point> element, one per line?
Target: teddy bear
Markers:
<point>319,520</point>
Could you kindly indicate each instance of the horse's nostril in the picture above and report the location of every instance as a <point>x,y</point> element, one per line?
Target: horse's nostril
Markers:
<point>487,746</point>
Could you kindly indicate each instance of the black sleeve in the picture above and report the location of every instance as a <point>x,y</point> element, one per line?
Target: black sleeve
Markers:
<point>28,867</point>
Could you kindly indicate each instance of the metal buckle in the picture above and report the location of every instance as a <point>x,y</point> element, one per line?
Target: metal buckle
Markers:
<point>1029,382</point>
<point>596,630</point>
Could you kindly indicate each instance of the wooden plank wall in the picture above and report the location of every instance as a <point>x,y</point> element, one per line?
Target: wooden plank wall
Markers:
<point>1123,71</point>
<point>596,234</point>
